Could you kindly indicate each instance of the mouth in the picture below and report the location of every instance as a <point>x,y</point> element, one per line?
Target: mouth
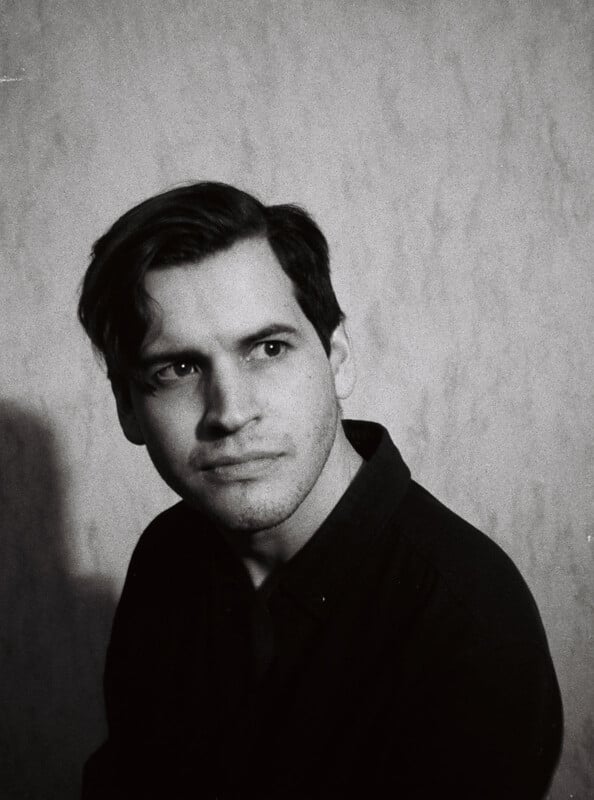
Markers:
<point>246,466</point>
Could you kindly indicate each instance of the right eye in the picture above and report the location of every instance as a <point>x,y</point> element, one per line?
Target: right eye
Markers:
<point>175,372</point>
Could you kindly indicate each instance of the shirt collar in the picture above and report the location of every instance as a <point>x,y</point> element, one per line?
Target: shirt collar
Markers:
<point>318,573</point>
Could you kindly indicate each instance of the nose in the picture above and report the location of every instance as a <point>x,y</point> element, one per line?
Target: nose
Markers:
<point>230,401</point>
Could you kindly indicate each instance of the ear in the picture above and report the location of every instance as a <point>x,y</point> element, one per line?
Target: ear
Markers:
<point>341,362</point>
<point>127,414</point>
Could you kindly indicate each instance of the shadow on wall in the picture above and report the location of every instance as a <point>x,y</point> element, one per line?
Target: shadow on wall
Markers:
<point>54,627</point>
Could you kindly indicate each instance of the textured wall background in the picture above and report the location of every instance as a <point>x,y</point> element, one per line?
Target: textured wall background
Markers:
<point>445,147</point>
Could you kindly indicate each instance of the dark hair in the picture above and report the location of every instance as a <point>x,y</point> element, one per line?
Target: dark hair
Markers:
<point>185,225</point>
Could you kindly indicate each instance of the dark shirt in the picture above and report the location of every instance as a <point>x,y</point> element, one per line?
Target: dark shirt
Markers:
<point>398,654</point>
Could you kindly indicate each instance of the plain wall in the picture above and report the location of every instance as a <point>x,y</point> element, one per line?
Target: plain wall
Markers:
<point>445,148</point>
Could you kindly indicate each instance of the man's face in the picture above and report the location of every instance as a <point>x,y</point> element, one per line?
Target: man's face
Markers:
<point>242,412</point>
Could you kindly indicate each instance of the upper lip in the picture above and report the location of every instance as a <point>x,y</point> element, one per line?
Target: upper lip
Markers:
<point>226,461</point>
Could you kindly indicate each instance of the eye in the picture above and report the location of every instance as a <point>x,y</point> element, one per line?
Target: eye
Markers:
<point>267,350</point>
<point>175,372</point>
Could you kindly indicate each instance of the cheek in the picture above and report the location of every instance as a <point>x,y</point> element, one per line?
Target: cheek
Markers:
<point>318,385</point>
<point>167,426</point>
<point>308,377</point>
<point>311,398</point>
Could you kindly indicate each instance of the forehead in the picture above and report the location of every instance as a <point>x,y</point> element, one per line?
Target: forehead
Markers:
<point>227,295</point>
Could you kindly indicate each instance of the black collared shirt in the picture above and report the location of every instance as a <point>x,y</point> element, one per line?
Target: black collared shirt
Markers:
<point>398,654</point>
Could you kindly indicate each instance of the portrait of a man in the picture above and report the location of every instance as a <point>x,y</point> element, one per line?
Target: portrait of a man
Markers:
<point>296,420</point>
<point>308,622</point>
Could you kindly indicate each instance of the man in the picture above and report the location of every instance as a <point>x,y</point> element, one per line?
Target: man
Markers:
<point>308,622</point>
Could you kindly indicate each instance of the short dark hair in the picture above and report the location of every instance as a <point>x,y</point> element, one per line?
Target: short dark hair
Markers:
<point>184,225</point>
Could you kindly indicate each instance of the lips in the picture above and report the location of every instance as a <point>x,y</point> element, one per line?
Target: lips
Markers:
<point>238,460</point>
<point>248,466</point>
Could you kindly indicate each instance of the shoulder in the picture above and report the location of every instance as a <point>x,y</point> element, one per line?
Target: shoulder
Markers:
<point>177,536</point>
<point>472,572</point>
<point>470,648</point>
<point>175,520</point>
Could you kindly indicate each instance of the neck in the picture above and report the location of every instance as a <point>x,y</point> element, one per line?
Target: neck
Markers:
<point>265,550</point>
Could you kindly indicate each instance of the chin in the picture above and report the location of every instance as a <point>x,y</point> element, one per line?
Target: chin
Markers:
<point>241,514</point>
<point>250,520</point>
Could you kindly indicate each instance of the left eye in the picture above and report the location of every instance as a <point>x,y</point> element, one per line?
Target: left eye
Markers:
<point>267,350</point>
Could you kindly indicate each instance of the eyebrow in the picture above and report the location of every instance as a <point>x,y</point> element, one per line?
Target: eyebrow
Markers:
<point>186,353</point>
<point>276,329</point>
